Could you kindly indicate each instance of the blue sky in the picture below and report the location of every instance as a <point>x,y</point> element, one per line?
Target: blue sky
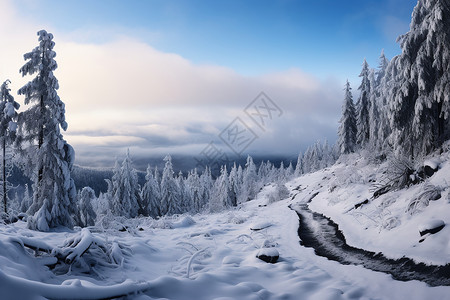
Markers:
<point>323,37</point>
<point>168,76</point>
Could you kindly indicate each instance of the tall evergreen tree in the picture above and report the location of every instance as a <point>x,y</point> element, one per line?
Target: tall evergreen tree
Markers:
<point>206,184</point>
<point>170,194</point>
<point>195,190</point>
<point>299,166</point>
<point>40,131</point>
<point>380,126</point>
<point>151,195</point>
<point>221,197</point>
<point>8,126</point>
<point>363,107</point>
<point>124,190</point>
<point>347,128</point>
<point>27,201</point>
<point>250,185</point>
<point>421,104</point>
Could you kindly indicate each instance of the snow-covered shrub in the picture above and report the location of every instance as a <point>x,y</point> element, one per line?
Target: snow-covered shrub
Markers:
<point>87,213</point>
<point>430,192</point>
<point>234,218</point>
<point>279,193</point>
<point>397,174</point>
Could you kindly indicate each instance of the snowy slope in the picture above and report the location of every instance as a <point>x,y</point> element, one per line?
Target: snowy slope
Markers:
<point>209,257</point>
<point>385,224</point>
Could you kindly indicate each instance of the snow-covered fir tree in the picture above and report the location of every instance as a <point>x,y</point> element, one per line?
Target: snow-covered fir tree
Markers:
<point>170,194</point>
<point>299,166</point>
<point>195,190</point>
<point>87,213</point>
<point>27,201</point>
<point>347,128</point>
<point>289,171</point>
<point>379,122</point>
<point>206,183</point>
<point>421,97</point>
<point>363,107</point>
<point>185,195</point>
<point>234,184</point>
<point>249,181</point>
<point>151,194</point>
<point>281,174</point>
<point>50,156</point>
<point>8,126</point>
<point>124,190</point>
<point>220,197</point>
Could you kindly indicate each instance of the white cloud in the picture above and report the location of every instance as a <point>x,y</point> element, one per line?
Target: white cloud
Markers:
<point>126,93</point>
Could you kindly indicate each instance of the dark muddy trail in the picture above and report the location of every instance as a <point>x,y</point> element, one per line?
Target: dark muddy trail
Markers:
<point>319,232</point>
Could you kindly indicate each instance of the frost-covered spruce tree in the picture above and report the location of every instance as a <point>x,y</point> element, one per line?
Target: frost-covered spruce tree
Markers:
<point>206,183</point>
<point>220,198</point>
<point>129,181</point>
<point>307,160</point>
<point>185,197</point>
<point>151,194</point>
<point>51,157</point>
<point>8,126</point>
<point>289,171</point>
<point>347,128</point>
<point>195,190</point>
<point>363,107</point>
<point>27,201</point>
<point>124,190</point>
<point>299,166</point>
<point>379,120</point>
<point>421,104</point>
<point>233,188</point>
<point>87,213</point>
<point>170,194</point>
<point>374,114</point>
<point>250,184</point>
<point>281,176</point>
<point>115,205</point>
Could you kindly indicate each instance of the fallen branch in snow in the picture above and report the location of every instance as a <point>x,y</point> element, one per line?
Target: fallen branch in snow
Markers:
<point>187,244</point>
<point>192,259</point>
<point>36,245</point>
<point>81,252</point>
<point>398,174</point>
<point>77,246</point>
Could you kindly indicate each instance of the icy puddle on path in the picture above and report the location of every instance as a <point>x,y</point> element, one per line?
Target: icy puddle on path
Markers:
<point>323,235</point>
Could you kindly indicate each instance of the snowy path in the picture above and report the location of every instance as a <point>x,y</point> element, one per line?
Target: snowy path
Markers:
<point>323,235</point>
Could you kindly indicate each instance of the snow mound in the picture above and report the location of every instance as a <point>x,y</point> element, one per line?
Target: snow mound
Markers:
<point>260,225</point>
<point>186,221</point>
<point>231,260</point>
<point>433,163</point>
<point>269,255</point>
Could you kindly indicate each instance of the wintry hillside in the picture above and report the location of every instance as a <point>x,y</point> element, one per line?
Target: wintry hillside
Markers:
<point>209,256</point>
<point>359,194</point>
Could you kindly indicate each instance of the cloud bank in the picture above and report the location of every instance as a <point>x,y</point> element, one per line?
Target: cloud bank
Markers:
<point>126,94</point>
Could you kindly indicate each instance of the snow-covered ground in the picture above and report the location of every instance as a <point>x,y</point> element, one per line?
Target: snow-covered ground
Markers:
<point>213,256</point>
<point>389,223</point>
